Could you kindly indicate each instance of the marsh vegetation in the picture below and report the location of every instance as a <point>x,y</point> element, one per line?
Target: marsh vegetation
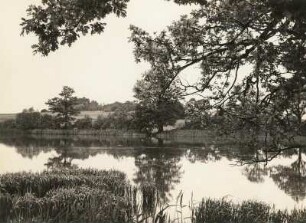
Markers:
<point>87,195</point>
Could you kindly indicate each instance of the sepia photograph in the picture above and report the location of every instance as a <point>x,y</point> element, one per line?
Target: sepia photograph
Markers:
<point>153,111</point>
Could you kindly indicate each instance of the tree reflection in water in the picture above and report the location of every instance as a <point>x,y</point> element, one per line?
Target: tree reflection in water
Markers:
<point>292,179</point>
<point>289,178</point>
<point>255,173</point>
<point>204,154</point>
<point>158,168</point>
<point>64,158</point>
<point>159,162</point>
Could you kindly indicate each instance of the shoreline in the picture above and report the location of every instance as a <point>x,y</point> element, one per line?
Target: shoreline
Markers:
<point>73,132</point>
<point>112,132</point>
<point>178,135</point>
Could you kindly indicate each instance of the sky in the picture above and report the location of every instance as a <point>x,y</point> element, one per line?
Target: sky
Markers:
<point>100,67</point>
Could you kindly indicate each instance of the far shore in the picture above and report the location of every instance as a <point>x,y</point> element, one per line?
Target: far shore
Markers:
<point>174,133</point>
<point>177,135</point>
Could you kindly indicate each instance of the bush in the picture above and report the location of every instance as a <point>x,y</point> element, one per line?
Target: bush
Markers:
<point>48,122</point>
<point>84,123</point>
<point>28,120</point>
<point>118,120</point>
<point>8,124</point>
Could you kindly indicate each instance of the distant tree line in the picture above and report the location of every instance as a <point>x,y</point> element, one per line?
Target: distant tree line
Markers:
<point>30,119</point>
<point>85,104</point>
<point>152,110</point>
<point>194,113</point>
<point>63,113</point>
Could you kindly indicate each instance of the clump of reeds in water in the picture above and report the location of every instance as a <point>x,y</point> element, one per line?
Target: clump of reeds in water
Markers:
<point>86,195</point>
<point>79,195</point>
<point>220,211</point>
<point>40,183</point>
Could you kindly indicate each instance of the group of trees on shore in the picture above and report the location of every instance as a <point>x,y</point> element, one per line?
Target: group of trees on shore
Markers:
<point>150,113</point>
<point>64,113</point>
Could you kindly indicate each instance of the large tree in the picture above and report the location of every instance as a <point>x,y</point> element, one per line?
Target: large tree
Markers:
<point>157,106</point>
<point>251,55</point>
<point>64,107</point>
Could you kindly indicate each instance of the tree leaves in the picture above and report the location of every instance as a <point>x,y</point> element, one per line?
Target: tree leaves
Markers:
<point>61,22</point>
<point>64,107</point>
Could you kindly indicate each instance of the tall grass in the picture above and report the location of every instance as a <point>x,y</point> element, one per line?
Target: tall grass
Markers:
<point>80,195</point>
<point>220,211</point>
<point>87,195</point>
<point>40,183</point>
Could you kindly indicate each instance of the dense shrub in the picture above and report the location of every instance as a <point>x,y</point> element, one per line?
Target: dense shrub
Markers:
<point>117,120</point>
<point>30,119</point>
<point>48,122</point>
<point>8,124</point>
<point>84,123</point>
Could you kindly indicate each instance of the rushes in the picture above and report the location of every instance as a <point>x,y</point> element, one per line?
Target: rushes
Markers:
<point>40,183</point>
<point>80,195</point>
<point>219,211</point>
<point>81,203</point>
<point>87,195</point>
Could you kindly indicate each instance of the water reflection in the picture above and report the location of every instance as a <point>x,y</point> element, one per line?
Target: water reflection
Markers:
<point>292,179</point>
<point>64,157</point>
<point>256,172</point>
<point>168,164</point>
<point>162,170</point>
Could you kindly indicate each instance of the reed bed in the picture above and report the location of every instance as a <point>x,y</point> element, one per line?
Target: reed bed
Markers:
<point>40,183</point>
<point>220,211</point>
<point>87,195</point>
<point>79,195</point>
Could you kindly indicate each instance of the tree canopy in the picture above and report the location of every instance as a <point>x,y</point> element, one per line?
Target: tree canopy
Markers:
<point>222,39</point>
<point>64,107</point>
<point>61,22</point>
<point>157,106</point>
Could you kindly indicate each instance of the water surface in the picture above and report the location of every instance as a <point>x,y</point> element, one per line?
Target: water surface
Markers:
<point>197,169</point>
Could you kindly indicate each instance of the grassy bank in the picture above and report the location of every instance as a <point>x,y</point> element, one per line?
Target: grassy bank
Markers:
<point>86,195</point>
<point>185,133</point>
<point>73,132</point>
<point>102,132</point>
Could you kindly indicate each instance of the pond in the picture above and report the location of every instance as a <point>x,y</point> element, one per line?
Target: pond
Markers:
<point>192,167</point>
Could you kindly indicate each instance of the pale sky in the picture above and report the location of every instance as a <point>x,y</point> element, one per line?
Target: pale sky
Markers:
<point>100,67</point>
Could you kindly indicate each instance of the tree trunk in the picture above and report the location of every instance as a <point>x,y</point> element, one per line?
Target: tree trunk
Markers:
<point>160,127</point>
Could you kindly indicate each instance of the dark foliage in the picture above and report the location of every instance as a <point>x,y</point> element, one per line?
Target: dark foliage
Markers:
<point>63,107</point>
<point>84,123</point>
